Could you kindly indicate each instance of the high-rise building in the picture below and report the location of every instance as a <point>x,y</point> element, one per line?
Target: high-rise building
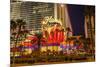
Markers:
<point>15,1</point>
<point>34,12</point>
<point>90,23</point>
<point>61,12</point>
<point>15,9</point>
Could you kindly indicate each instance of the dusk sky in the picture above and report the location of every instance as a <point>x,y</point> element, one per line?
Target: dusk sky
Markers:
<point>76,13</point>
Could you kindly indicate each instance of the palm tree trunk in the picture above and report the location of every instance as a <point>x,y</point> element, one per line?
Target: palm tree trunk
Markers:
<point>39,49</point>
<point>16,44</point>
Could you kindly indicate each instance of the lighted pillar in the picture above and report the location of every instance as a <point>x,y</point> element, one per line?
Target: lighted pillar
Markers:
<point>55,11</point>
<point>86,29</point>
<point>63,15</point>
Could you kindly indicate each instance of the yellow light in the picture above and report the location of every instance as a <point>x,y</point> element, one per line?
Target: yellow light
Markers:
<point>62,5</point>
<point>43,22</point>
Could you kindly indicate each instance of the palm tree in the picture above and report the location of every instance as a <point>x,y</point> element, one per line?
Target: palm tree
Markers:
<point>12,28</point>
<point>12,37</point>
<point>18,24</point>
<point>39,36</point>
<point>68,30</point>
<point>13,34</point>
<point>13,24</point>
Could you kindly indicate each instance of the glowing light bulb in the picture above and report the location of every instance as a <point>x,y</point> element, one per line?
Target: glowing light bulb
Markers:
<point>62,5</point>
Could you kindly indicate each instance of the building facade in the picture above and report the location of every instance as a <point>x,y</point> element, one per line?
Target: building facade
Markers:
<point>34,12</point>
<point>90,23</point>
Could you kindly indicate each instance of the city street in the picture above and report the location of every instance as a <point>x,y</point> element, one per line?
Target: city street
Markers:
<point>51,33</point>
